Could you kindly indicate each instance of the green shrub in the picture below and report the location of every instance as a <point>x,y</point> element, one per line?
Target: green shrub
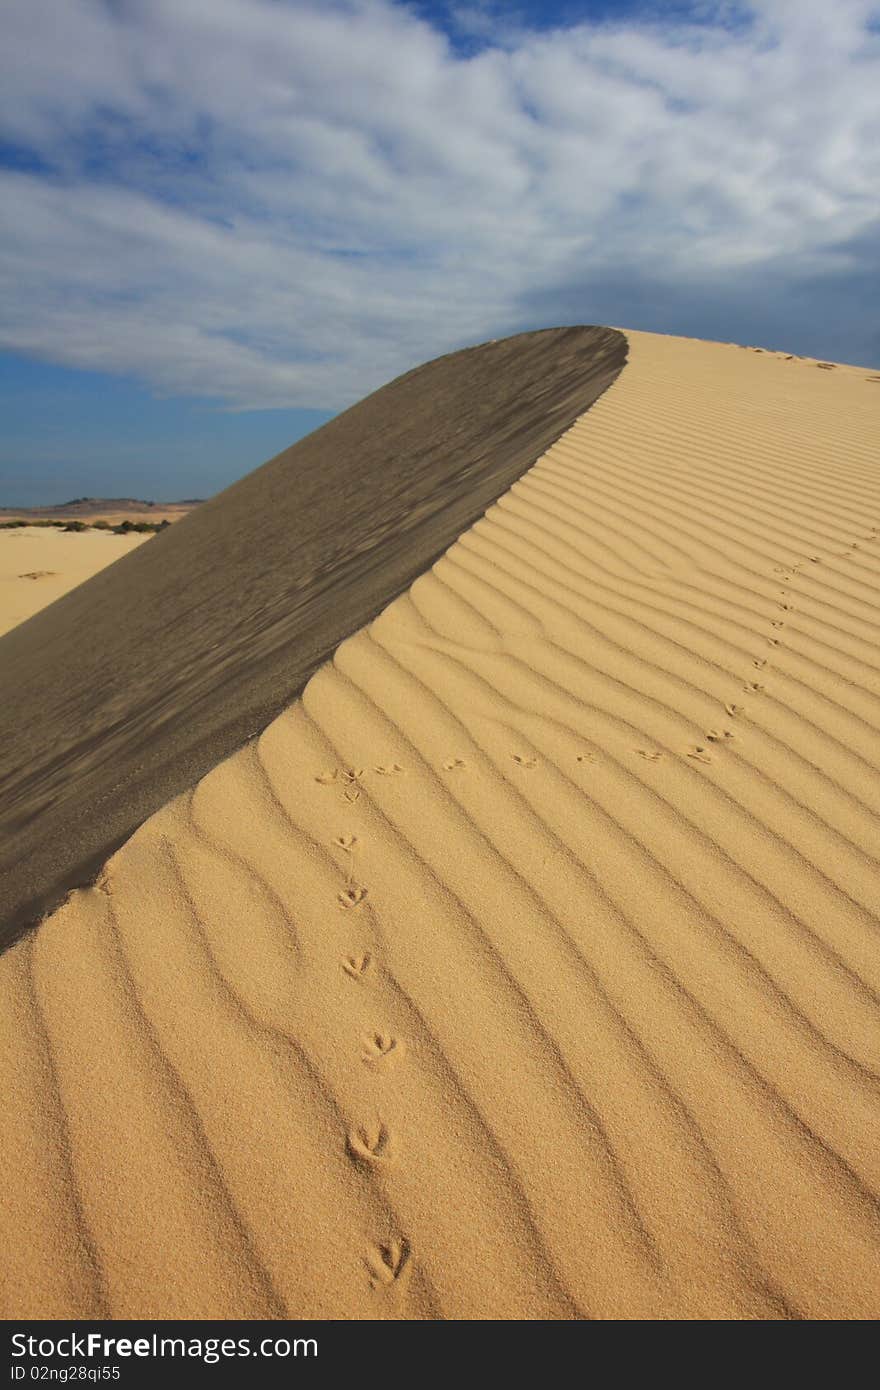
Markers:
<point>142,527</point>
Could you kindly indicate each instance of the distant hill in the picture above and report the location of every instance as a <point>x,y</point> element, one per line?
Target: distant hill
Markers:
<point>82,507</point>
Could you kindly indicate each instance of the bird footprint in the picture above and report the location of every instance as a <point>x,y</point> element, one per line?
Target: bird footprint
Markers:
<point>370,1143</point>
<point>327,778</point>
<point>733,710</point>
<point>357,966</point>
<point>346,842</point>
<point>452,763</point>
<point>523,761</point>
<point>760,662</point>
<point>387,1262</point>
<point>699,754</point>
<point>754,687</point>
<point>718,735</point>
<point>379,1047</point>
<point>649,755</point>
<point>352,795</point>
<point>352,896</point>
<point>388,770</point>
<point>353,774</point>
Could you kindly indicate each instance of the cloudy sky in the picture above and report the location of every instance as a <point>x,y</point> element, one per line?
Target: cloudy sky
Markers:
<point>222,221</point>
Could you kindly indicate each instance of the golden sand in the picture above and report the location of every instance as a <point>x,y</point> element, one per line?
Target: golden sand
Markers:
<point>527,966</point>
<point>39,563</point>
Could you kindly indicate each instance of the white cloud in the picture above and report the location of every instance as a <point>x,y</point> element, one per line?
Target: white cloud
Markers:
<point>285,202</point>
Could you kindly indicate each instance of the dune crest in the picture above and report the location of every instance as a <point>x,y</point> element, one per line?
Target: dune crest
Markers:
<point>527,965</point>
<point>195,642</point>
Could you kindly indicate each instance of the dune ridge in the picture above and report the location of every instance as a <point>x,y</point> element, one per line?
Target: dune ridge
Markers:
<point>132,686</point>
<point>527,965</point>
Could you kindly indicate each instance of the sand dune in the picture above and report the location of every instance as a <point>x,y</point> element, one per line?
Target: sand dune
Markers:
<point>38,565</point>
<point>195,642</point>
<point>527,965</point>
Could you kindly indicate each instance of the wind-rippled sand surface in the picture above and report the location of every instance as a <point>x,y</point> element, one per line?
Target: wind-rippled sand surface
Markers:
<point>528,965</point>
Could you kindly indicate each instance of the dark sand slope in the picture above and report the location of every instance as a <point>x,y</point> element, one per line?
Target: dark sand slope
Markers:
<point>130,688</point>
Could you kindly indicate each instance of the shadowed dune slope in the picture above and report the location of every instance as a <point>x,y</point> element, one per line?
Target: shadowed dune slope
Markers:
<point>130,688</point>
<point>527,966</point>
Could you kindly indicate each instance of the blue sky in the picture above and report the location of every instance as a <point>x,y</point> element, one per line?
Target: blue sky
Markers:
<point>69,433</point>
<point>222,221</point>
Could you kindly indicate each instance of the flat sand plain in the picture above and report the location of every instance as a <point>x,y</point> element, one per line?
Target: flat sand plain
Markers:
<point>527,966</point>
<point>39,563</point>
